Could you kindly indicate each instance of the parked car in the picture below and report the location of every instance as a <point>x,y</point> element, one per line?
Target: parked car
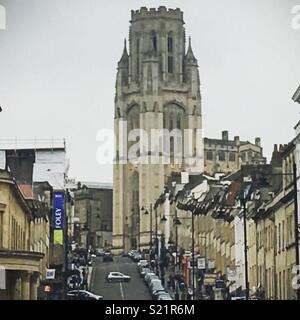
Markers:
<point>82,295</point>
<point>154,283</point>
<point>164,296</point>
<point>117,277</point>
<point>100,252</point>
<point>144,271</point>
<point>137,257</point>
<point>108,258</point>
<point>132,253</point>
<point>157,291</point>
<point>142,264</point>
<point>149,276</point>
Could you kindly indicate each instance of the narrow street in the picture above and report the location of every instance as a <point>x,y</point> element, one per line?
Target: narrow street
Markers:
<point>133,290</point>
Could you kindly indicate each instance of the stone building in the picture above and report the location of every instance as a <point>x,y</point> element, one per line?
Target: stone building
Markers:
<point>39,168</point>
<point>93,213</point>
<point>157,87</point>
<point>19,257</point>
<point>226,156</point>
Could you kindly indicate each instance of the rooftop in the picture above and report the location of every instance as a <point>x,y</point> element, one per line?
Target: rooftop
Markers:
<point>36,144</point>
<point>161,12</point>
<point>97,185</point>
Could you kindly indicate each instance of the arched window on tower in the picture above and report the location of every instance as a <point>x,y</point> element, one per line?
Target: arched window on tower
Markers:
<point>154,40</point>
<point>170,53</point>
<point>138,57</point>
<point>170,42</point>
<point>178,125</point>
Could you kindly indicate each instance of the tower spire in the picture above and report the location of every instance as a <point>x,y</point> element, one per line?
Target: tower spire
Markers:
<point>190,58</point>
<point>124,58</point>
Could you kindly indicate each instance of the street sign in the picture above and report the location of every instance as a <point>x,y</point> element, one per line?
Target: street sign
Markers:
<point>210,279</point>
<point>50,274</point>
<point>220,284</point>
<point>210,264</point>
<point>190,264</point>
<point>201,264</point>
<point>231,274</point>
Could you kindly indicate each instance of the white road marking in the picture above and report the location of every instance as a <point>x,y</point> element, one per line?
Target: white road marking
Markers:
<point>121,286</point>
<point>122,293</point>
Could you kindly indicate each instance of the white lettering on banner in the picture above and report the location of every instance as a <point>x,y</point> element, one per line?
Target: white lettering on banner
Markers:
<point>58,214</point>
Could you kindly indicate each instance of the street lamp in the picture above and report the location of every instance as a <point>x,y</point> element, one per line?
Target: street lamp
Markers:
<point>146,212</point>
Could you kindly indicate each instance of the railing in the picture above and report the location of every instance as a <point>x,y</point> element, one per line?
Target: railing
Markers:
<point>16,143</point>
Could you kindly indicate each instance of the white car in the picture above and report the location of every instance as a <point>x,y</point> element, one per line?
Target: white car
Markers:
<point>117,277</point>
<point>82,295</point>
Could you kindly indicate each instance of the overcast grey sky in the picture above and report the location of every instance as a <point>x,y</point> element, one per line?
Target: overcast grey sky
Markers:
<point>58,63</point>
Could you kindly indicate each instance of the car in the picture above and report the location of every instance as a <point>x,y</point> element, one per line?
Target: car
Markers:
<point>144,271</point>
<point>82,295</point>
<point>107,253</point>
<point>149,276</point>
<point>108,258</point>
<point>137,257</point>
<point>142,264</point>
<point>154,283</point>
<point>164,296</point>
<point>157,292</point>
<point>117,277</point>
<point>132,253</point>
<point>238,298</point>
<point>100,252</point>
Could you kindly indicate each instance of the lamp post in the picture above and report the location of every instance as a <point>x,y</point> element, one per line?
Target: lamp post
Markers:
<point>150,233</point>
<point>245,247</point>
<point>296,220</point>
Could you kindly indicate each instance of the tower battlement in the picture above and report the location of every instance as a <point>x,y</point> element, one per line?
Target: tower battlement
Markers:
<point>161,12</point>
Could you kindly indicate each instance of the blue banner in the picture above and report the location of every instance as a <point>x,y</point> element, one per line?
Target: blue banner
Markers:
<point>58,210</point>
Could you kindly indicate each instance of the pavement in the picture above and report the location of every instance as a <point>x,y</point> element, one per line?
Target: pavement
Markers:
<point>133,290</point>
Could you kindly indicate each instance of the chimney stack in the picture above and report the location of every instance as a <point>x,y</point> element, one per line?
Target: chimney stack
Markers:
<point>225,135</point>
<point>237,140</point>
<point>257,142</point>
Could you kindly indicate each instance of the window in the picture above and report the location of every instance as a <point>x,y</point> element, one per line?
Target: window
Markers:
<point>221,156</point>
<point>154,41</point>
<point>137,56</point>
<point>170,43</point>
<point>170,64</point>
<point>178,123</point>
<point>232,156</point>
<point>243,157</point>
<point>283,244</point>
<point>1,230</point>
<point>170,53</point>
<point>279,237</point>
<point>104,226</point>
<point>209,155</point>
<point>249,156</point>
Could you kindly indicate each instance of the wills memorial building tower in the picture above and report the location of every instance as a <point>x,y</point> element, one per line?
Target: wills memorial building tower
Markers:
<point>157,87</point>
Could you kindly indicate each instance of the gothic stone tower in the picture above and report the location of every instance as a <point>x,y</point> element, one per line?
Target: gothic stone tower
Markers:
<point>157,87</point>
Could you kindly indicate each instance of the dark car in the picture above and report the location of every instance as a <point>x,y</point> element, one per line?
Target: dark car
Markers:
<point>108,258</point>
<point>82,295</point>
